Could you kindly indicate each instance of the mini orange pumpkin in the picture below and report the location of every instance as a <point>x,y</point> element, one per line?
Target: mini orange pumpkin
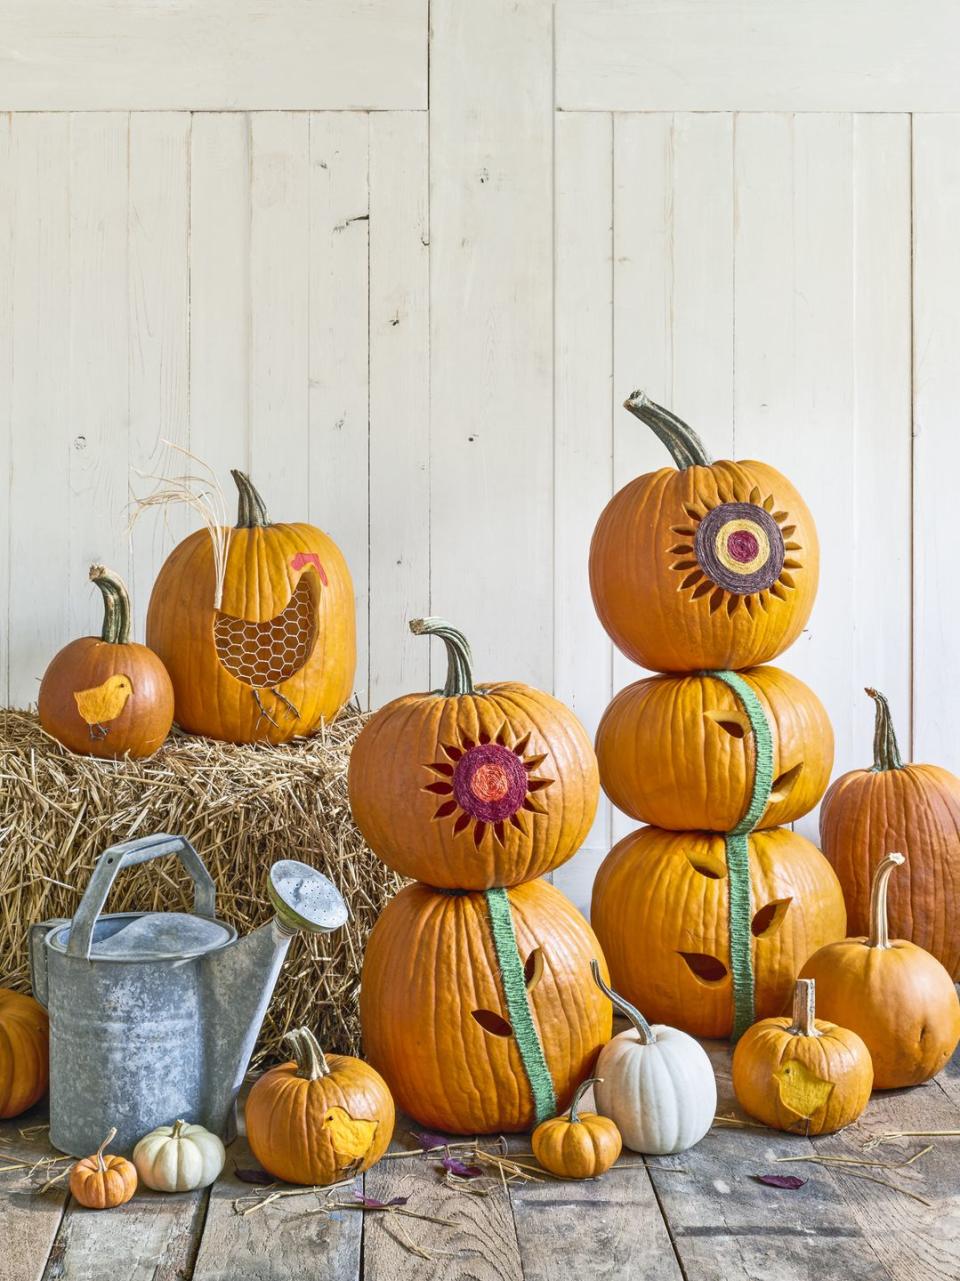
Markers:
<point>898,997</point>
<point>473,786</point>
<point>580,1145</point>
<point>678,751</point>
<point>317,1119</point>
<point>276,655</point>
<point>448,1016</point>
<point>105,695</point>
<point>24,1052</point>
<point>713,565</point>
<point>803,1075</point>
<point>911,807</point>
<point>661,908</point>
<point>101,1182</point>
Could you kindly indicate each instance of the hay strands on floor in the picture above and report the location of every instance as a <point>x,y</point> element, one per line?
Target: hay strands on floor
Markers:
<point>888,1136</point>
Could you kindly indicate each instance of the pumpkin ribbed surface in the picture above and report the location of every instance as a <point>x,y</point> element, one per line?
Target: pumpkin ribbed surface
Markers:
<point>482,789</point>
<point>24,1052</point>
<point>660,910</point>
<point>434,1015</point>
<point>676,597</point>
<point>677,751</point>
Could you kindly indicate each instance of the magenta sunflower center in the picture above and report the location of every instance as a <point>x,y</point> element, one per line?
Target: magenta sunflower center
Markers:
<point>490,782</point>
<point>743,546</point>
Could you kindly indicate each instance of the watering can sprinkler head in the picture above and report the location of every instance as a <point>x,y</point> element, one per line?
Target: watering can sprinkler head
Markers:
<point>304,899</point>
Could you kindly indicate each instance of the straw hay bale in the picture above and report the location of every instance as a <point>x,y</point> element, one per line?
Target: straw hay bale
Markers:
<point>242,808</point>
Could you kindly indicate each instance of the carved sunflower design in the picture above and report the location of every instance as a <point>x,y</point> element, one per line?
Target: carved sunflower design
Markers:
<point>737,553</point>
<point>488,783</point>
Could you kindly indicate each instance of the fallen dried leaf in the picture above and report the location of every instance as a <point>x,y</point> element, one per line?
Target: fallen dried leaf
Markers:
<point>790,1181</point>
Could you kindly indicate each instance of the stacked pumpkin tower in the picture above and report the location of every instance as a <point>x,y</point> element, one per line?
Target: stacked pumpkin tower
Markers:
<point>703,572</point>
<point>476,1002</point>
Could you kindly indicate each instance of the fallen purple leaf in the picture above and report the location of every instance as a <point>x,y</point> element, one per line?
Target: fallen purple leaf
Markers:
<point>253,1176</point>
<point>453,1166</point>
<point>791,1181</point>
<point>430,1141</point>
<point>371,1202</point>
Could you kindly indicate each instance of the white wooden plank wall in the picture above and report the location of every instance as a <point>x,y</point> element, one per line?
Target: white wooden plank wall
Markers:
<point>413,310</point>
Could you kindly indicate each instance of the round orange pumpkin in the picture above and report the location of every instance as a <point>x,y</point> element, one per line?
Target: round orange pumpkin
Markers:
<point>678,751</point>
<point>803,1074</point>
<point>101,1182</point>
<point>896,996</point>
<point>473,786</point>
<point>24,1052</point>
<point>895,806</point>
<point>448,1015</point>
<point>105,695</point>
<point>276,655</point>
<point>579,1145</point>
<point>710,565</point>
<point>319,1118</point>
<point>661,907</point>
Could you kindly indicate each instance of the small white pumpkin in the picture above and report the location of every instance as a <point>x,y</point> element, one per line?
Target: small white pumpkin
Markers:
<point>178,1157</point>
<point>657,1083</point>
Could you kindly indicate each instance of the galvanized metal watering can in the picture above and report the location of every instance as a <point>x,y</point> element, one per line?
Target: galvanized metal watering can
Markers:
<point>154,1015</point>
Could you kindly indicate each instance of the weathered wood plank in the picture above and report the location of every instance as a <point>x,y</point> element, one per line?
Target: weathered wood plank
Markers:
<point>89,55</point>
<point>28,1222</point>
<point>483,1245</point>
<point>727,1227</point>
<point>285,1241</point>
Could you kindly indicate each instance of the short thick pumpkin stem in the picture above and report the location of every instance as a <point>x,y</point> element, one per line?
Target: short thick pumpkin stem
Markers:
<point>805,1008</point>
<point>459,659</point>
<point>573,1116</point>
<point>178,1128</point>
<point>311,1060</point>
<point>685,446</point>
<point>640,1024</point>
<point>112,1134</point>
<point>116,605</point>
<point>886,752</point>
<point>879,924</point>
<point>251,510</point>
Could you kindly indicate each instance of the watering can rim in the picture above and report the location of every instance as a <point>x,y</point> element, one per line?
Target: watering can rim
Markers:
<point>59,946</point>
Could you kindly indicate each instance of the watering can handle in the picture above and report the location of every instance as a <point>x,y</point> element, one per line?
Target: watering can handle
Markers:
<point>129,854</point>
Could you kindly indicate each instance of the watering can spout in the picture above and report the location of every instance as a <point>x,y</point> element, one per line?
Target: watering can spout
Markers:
<point>239,980</point>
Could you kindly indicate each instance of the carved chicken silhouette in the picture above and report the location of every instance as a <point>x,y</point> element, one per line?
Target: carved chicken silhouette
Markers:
<point>801,1090</point>
<point>264,655</point>
<point>351,1136</point>
<point>103,703</point>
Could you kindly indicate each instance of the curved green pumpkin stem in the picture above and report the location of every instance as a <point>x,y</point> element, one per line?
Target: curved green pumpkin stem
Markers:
<point>311,1061</point>
<point>879,921</point>
<point>459,659</point>
<point>640,1024</point>
<point>251,510</point>
<point>685,446</point>
<point>116,605</point>
<point>886,752</point>
<point>573,1116</point>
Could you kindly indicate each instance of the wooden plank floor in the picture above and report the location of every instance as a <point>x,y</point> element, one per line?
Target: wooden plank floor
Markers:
<point>699,1216</point>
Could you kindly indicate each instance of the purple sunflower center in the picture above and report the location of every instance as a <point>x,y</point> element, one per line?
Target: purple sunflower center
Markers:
<point>743,546</point>
<point>490,782</point>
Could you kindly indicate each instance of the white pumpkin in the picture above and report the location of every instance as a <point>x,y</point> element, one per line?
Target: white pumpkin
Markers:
<point>178,1157</point>
<point>657,1083</point>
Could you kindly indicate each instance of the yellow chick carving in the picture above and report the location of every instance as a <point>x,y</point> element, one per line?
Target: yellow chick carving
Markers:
<point>801,1091</point>
<point>103,703</point>
<point>351,1138</point>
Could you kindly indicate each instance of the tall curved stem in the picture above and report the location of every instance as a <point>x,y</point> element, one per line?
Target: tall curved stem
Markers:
<point>640,1024</point>
<point>459,659</point>
<point>886,751</point>
<point>116,605</point>
<point>251,509</point>
<point>879,924</point>
<point>573,1115</point>
<point>685,446</point>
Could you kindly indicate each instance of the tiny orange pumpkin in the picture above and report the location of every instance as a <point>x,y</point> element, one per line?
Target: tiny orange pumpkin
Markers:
<point>580,1145</point>
<point>101,1182</point>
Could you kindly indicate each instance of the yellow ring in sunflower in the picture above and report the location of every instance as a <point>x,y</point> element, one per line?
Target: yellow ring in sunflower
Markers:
<point>739,566</point>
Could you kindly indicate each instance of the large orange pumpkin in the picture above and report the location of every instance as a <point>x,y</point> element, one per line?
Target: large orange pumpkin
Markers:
<point>276,655</point>
<point>478,1009</point>
<point>472,786</point>
<point>678,751</point>
<point>895,806</point>
<point>317,1119</point>
<point>711,565</point>
<point>105,695</point>
<point>24,1052</point>
<point>661,909</point>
